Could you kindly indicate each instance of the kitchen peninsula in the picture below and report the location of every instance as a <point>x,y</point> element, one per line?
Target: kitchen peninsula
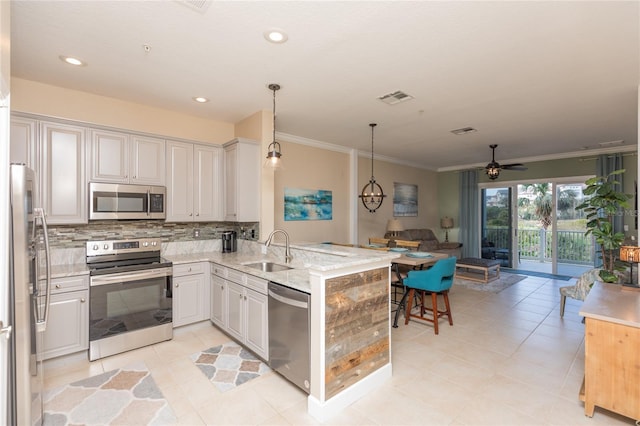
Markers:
<point>350,314</point>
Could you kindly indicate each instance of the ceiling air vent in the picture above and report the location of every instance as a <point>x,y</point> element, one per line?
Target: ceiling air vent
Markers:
<point>464,131</point>
<point>395,97</point>
<point>197,5</point>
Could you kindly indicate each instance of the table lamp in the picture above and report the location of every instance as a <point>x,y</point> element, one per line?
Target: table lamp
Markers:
<point>394,226</point>
<point>631,255</point>
<point>446,223</point>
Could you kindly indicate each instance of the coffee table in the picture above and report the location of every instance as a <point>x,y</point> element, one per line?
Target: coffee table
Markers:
<point>489,269</point>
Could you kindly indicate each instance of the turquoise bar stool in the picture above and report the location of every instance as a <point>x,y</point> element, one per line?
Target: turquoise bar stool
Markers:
<point>436,280</point>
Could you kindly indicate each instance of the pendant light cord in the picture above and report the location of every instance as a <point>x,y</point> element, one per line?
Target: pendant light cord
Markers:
<point>274,112</point>
<point>373,179</point>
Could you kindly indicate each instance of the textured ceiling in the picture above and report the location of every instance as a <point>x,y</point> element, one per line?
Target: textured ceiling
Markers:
<point>537,78</point>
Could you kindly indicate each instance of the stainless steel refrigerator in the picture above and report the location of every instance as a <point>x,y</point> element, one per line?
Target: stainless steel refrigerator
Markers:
<point>27,297</point>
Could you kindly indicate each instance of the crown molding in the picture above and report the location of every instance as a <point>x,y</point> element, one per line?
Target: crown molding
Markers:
<point>575,154</point>
<point>338,148</point>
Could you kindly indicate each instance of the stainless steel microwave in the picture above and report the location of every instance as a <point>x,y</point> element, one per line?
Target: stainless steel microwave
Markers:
<point>122,201</point>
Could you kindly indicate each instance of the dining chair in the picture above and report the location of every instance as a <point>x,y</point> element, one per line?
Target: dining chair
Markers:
<point>410,245</point>
<point>380,241</point>
<point>580,290</point>
<point>436,280</point>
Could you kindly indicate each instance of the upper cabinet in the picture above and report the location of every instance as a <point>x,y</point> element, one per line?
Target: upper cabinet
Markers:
<point>242,180</point>
<point>122,158</point>
<point>193,182</point>
<point>63,183</point>
<point>23,142</point>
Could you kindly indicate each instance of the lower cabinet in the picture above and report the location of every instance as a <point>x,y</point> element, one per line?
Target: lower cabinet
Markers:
<point>218,301</point>
<point>239,305</point>
<point>190,293</point>
<point>67,329</point>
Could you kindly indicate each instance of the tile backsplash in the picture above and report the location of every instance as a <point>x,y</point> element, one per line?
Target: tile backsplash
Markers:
<point>76,236</point>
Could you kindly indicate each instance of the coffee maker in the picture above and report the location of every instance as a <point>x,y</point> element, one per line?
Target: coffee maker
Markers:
<point>229,241</point>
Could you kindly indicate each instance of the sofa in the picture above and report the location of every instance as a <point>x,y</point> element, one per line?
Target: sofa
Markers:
<point>428,241</point>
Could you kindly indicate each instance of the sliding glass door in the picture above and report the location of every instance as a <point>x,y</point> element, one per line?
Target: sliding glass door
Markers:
<point>535,227</point>
<point>575,251</point>
<point>497,225</point>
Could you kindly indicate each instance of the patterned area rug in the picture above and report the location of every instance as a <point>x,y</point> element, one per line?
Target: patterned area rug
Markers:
<point>228,366</point>
<point>128,396</point>
<point>506,280</point>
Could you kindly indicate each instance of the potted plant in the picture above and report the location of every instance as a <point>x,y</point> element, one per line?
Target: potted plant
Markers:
<point>605,202</point>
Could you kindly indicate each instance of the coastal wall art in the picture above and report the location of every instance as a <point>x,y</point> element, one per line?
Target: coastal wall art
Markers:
<point>405,199</point>
<point>307,204</point>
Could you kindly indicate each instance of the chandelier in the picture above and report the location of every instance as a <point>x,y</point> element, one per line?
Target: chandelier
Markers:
<point>274,154</point>
<point>372,194</point>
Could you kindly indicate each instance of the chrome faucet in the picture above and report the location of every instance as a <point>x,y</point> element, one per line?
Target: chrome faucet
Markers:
<point>287,250</point>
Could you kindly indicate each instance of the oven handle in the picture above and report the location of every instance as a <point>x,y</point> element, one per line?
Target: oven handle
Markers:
<point>130,276</point>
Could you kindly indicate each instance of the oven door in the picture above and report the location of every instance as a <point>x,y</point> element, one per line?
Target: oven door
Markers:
<point>127,302</point>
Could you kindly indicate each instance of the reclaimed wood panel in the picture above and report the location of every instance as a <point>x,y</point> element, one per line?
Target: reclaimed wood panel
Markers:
<point>357,337</point>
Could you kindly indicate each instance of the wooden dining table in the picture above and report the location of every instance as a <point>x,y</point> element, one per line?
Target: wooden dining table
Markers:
<point>417,262</point>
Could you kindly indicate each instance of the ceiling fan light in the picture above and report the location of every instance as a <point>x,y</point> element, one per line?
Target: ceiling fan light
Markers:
<point>493,172</point>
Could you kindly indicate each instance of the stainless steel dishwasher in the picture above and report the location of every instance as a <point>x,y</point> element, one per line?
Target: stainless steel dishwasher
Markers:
<point>289,334</point>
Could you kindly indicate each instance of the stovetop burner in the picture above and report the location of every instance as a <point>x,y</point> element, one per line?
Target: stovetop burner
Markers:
<point>108,257</point>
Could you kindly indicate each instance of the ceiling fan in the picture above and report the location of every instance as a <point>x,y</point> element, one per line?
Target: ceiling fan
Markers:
<point>493,168</point>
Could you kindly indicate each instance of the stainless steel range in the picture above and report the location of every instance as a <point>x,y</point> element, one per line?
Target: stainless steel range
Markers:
<point>130,296</point>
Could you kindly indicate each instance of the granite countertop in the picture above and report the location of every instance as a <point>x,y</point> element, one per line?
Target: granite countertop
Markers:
<point>306,257</point>
<point>613,303</point>
<point>70,270</point>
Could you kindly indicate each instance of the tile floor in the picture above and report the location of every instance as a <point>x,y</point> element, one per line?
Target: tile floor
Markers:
<point>508,360</point>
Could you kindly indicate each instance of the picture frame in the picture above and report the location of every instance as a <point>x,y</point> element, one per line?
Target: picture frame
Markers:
<point>307,204</point>
<point>405,199</point>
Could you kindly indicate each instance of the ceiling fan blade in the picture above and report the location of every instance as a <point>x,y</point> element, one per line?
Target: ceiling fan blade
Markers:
<point>514,166</point>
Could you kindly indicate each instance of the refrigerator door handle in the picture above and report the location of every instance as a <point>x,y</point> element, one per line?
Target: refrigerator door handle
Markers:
<point>5,330</point>
<point>41,323</point>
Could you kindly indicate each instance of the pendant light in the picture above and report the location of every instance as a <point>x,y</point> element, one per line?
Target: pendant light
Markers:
<point>273,150</point>
<point>372,200</point>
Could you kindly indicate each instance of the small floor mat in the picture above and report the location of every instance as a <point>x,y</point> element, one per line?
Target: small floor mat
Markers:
<point>496,286</point>
<point>229,365</point>
<point>127,396</point>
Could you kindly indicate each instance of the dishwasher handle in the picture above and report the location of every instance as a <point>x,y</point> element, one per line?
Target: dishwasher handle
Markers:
<point>287,300</point>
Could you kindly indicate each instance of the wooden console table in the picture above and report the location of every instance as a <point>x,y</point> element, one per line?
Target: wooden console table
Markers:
<point>612,346</point>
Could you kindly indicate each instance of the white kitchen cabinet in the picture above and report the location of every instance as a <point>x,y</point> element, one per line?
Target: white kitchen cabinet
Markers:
<point>241,310</point>
<point>110,156</point>
<point>123,158</point>
<point>23,140</point>
<point>218,301</point>
<point>242,168</point>
<point>67,329</point>
<point>63,183</point>
<point>190,293</point>
<point>147,160</point>
<point>235,310</point>
<point>256,333</point>
<point>193,182</point>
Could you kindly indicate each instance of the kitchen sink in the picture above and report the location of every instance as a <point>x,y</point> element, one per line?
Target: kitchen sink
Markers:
<point>268,266</point>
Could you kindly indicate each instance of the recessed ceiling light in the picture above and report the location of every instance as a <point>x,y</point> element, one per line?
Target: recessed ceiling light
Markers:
<point>200,99</point>
<point>275,35</point>
<point>464,131</point>
<point>72,61</point>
